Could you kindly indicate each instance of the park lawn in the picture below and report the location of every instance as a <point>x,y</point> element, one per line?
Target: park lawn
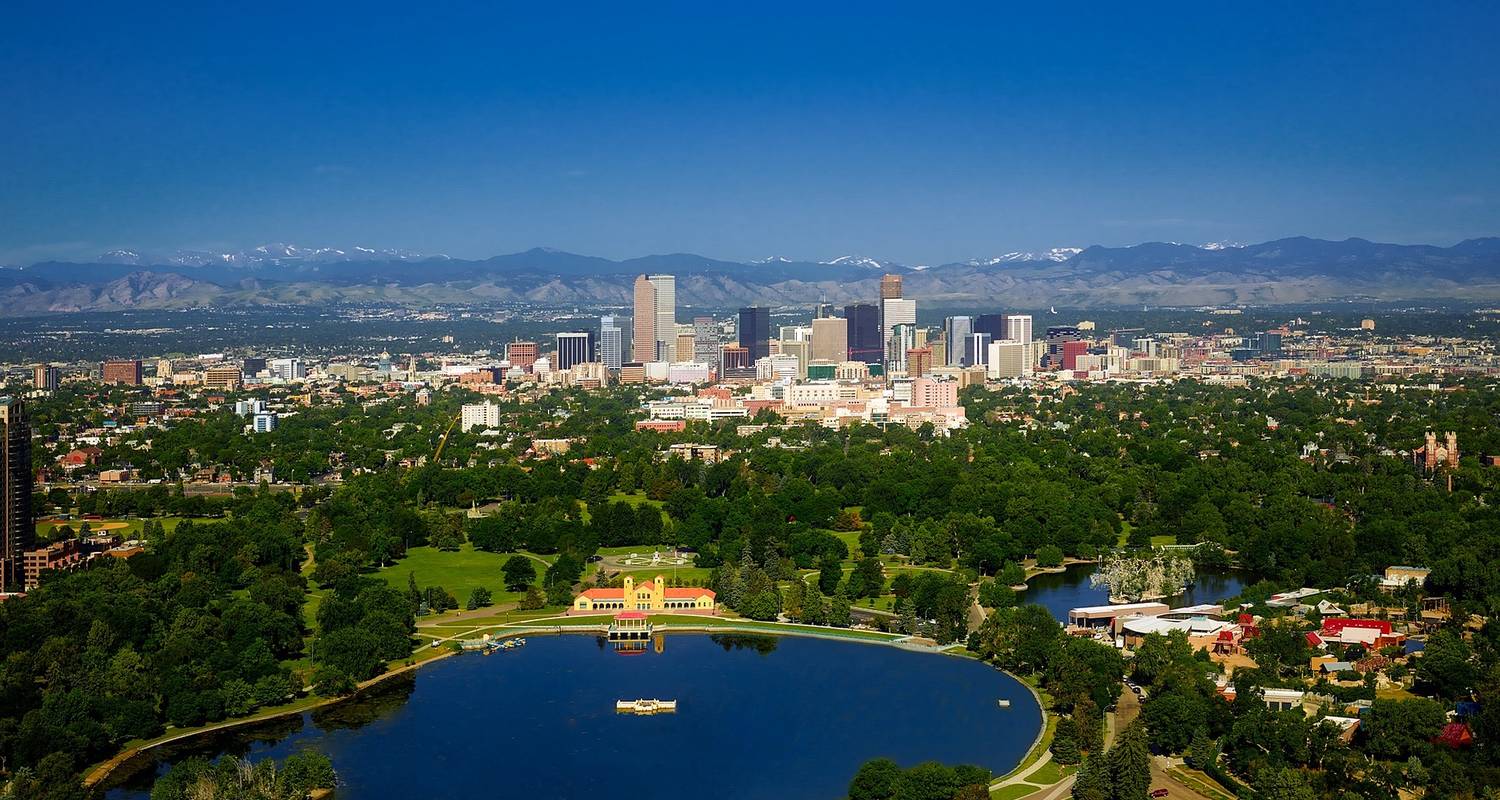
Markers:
<point>1050,773</point>
<point>132,527</point>
<point>638,549</point>
<point>1013,791</point>
<point>1163,540</point>
<point>636,499</point>
<point>1125,528</point>
<point>849,538</point>
<point>459,572</point>
<point>680,573</point>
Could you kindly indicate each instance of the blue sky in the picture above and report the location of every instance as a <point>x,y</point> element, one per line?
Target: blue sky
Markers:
<point>922,133</point>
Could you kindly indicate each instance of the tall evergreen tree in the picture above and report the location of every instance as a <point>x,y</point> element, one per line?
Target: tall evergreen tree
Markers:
<point>1130,764</point>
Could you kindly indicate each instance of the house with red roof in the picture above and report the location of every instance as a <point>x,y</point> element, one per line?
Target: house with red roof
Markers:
<point>652,595</point>
<point>1372,633</point>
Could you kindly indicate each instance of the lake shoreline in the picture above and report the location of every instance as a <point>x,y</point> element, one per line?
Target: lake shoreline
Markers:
<point>100,773</point>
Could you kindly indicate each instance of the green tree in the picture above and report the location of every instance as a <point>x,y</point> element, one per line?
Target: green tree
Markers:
<point>1065,746</point>
<point>1130,764</point>
<point>519,573</point>
<point>479,598</point>
<point>875,780</point>
<point>1049,555</point>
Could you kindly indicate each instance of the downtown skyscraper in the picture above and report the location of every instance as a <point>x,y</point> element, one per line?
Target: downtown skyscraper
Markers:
<point>611,343</point>
<point>17,531</point>
<point>864,333</point>
<point>655,323</point>
<point>755,331</point>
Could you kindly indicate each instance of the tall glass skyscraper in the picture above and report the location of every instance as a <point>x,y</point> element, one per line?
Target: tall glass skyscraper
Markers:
<point>755,332</point>
<point>956,331</point>
<point>864,332</point>
<point>611,343</point>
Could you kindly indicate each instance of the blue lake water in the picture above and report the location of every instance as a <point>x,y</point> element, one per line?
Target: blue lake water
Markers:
<point>1061,591</point>
<point>758,717</point>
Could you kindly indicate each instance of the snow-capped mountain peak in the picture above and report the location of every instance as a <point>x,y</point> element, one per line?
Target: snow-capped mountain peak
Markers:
<point>1054,254</point>
<point>858,261</point>
<point>269,254</point>
<point>1222,245</point>
<point>772,260</point>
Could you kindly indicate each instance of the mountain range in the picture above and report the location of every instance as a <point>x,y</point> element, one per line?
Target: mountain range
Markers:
<point>1293,270</point>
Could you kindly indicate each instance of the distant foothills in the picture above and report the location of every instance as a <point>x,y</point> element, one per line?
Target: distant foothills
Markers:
<point>1285,271</point>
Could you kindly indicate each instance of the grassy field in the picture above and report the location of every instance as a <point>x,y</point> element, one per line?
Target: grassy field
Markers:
<point>459,572</point>
<point>131,530</point>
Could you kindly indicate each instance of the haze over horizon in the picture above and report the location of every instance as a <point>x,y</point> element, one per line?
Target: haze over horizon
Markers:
<point>745,134</point>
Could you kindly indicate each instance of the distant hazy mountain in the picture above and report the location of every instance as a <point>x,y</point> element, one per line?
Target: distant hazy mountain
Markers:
<point>1291,270</point>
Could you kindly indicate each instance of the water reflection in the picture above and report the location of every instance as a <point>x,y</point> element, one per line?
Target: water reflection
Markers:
<point>1061,591</point>
<point>746,702</point>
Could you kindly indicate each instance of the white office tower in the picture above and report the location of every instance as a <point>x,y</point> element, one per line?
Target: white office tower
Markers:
<point>1010,359</point>
<point>830,339</point>
<point>896,311</point>
<point>956,333</point>
<point>249,408</point>
<point>1018,327</point>
<point>666,318</point>
<point>977,350</point>
<point>264,422</point>
<point>903,338</point>
<point>288,369</point>
<point>479,415</point>
<point>705,341</point>
<point>611,343</point>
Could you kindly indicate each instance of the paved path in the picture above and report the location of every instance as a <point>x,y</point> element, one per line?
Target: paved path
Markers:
<point>1020,777</point>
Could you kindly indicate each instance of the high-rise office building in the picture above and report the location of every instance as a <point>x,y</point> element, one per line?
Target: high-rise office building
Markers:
<point>288,369</point>
<point>522,355</point>
<point>666,316</point>
<point>992,324</point>
<point>1018,327</point>
<point>956,331</point>
<point>611,343</point>
<point>1270,343</point>
<point>17,531</point>
<point>574,347</point>
<point>903,339</point>
<point>897,311</point>
<point>824,311</point>
<point>1057,336</point>
<point>830,339</point>
<point>977,349</point>
<point>1071,350</point>
<point>890,287</point>
<point>755,332</point>
<point>655,323</point>
<point>918,362</point>
<point>224,377</point>
<point>46,377</point>
<point>706,341</point>
<point>864,333</point>
<point>251,367</point>
<point>643,324</point>
<point>1010,359</point>
<point>125,371</point>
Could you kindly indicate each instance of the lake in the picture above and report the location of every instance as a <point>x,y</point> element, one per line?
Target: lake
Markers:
<point>1062,591</point>
<point>758,717</point>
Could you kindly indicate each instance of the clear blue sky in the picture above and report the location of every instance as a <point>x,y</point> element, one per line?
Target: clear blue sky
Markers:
<point>918,132</point>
